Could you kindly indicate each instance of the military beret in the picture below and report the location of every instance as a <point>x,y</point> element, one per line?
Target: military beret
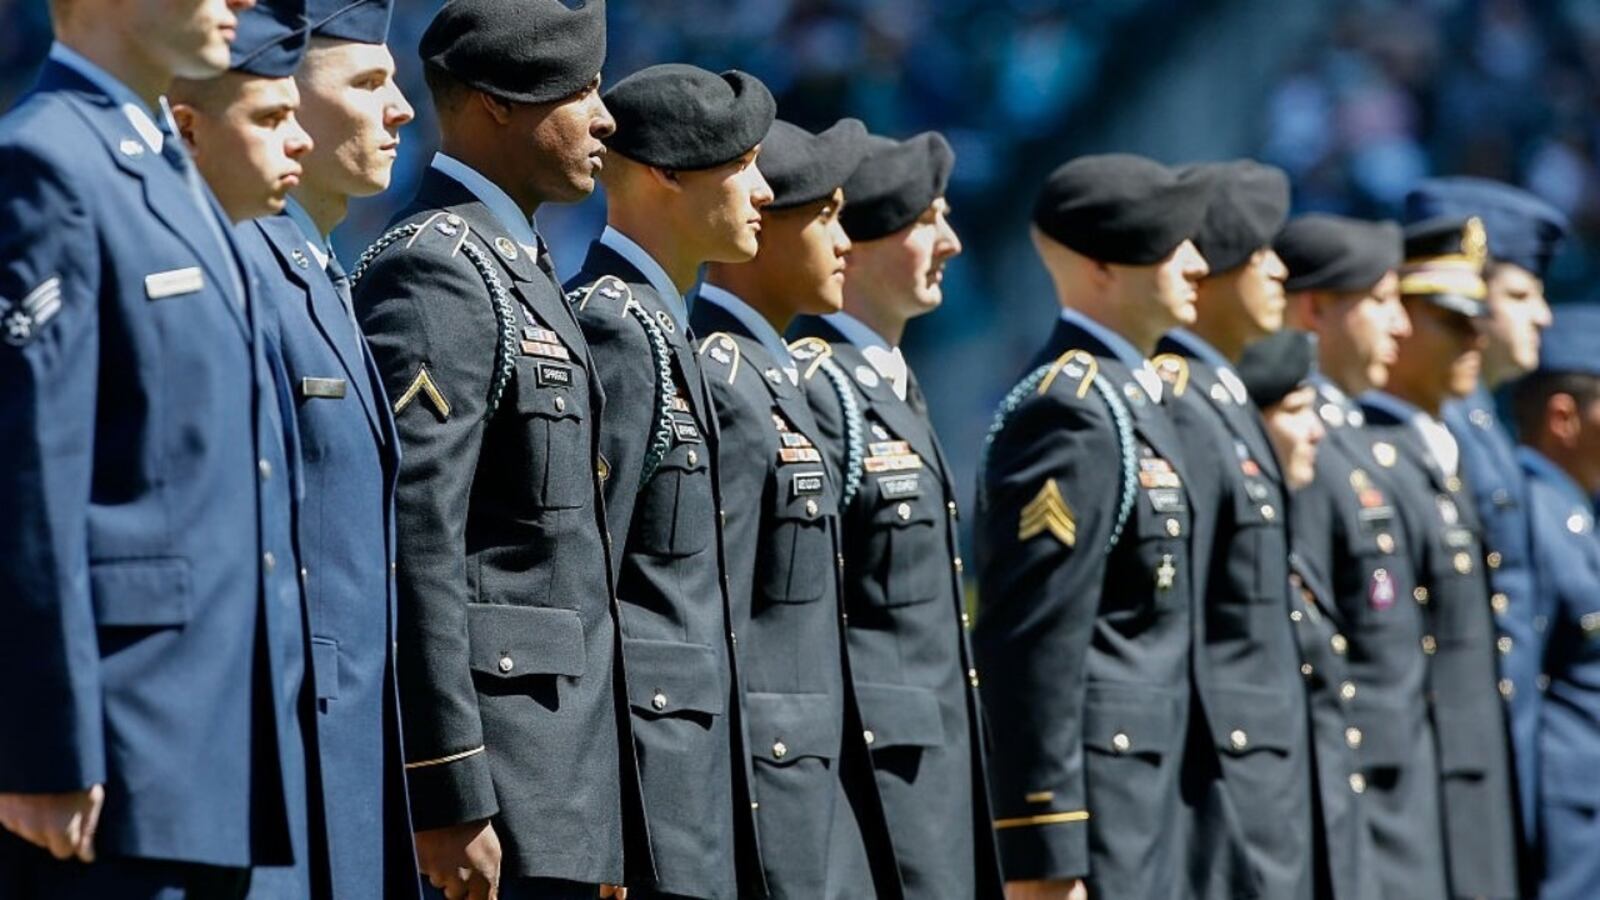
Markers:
<point>362,21</point>
<point>1523,229</point>
<point>1248,205</point>
<point>1444,264</point>
<point>895,184</point>
<point>682,117</point>
<point>1122,209</point>
<point>803,167</point>
<point>526,51</point>
<point>1273,367</point>
<point>271,39</point>
<point>1569,344</point>
<point>1334,253</point>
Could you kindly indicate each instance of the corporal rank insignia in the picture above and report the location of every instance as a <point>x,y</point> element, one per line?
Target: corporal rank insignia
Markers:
<point>19,322</point>
<point>423,384</point>
<point>1048,512</point>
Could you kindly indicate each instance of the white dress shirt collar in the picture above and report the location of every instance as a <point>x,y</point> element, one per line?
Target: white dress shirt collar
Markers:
<point>491,195</point>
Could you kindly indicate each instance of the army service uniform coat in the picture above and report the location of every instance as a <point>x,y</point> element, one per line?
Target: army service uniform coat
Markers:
<point>1568,552</point>
<point>1467,706</point>
<point>667,547</point>
<point>153,637</point>
<point>1247,662</point>
<point>1348,529</point>
<point>349,457</point>
<point>507,630</point>
<point>1084,640</point>
<point>907,628</point>
<point>817,808</point>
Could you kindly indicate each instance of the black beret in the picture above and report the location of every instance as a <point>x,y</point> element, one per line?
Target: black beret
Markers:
<point>682,117</point>
<point>1334,253</point>
<point>1120,208</point>
<point>526,51</point>
<point>895,184</point>
<point>1444,264</point>
<point>1273,367</point>
<point>803,167</point>
<point>362,21</point>
<point>1249,203</point>
<point>1523,229</point>
<point>271,39</point>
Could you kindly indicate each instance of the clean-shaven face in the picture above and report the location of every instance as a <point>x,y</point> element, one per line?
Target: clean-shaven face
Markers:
<point>352,107</point>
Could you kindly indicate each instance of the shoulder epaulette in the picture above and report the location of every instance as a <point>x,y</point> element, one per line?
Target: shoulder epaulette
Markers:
<point>1174,370</point>
<point>723,349</point>
<point>1076,364</point>
<point>810,352</point>
<point>608,288</point>
<point>452,226</point>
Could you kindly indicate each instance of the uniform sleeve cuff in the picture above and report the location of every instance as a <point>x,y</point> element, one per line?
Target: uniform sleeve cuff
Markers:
<point>450,790</point>
<point>1048,846</point>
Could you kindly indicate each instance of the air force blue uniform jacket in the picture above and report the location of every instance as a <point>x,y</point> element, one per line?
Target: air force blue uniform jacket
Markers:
<point>153,624</point>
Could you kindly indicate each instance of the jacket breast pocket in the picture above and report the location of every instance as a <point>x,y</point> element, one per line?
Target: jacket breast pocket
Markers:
<point>674,511</point>
<point>557,437</point>
<point>906,550</point>
<point>796,548</point>
<point>141,593</point>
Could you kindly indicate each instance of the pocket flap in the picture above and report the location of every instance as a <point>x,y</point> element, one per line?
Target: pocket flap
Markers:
<point>1252,720</point>
<point>900,716</point>
<point>802,494</point>
<point>1130,720</point>
<point>548,398</point>
<point>514,641</point>
<point>902,514</point>
<point>787,727</point>
<point>325,667</point>
<point>140,592</point>
<point>666,677</point>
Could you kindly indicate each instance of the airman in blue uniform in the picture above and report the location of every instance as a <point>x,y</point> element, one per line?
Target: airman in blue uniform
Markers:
<point>1558,416</point>
<point>152,663</point>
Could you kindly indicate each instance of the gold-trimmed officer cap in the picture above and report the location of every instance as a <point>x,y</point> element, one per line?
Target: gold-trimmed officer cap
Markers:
<point>1444,264</point>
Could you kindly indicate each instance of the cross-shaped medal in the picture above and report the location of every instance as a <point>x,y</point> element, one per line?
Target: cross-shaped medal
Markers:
<point>1165,573</point>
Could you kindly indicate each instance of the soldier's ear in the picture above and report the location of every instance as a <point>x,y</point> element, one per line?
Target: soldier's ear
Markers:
<point>1562,418</point>
<point>666,179</point>
<point>498,110</point>
<point>185,117</point>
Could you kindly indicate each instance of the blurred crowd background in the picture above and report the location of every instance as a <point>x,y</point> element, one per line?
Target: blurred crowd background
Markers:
<point>1357,99</point>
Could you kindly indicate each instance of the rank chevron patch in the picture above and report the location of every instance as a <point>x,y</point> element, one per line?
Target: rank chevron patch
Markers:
<point>1048,511</point>
<point>424,385</point>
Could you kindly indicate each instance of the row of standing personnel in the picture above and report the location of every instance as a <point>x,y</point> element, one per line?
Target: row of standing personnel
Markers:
<point>676,604</point>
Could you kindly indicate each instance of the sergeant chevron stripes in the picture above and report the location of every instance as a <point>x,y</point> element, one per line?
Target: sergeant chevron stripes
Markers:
<point>1048,511</point>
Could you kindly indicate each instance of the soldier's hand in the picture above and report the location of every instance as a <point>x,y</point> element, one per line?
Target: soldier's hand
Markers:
<point>462,860</point>
<point>63,824</point>
<point>1054,889</point>
<point>613,892</point>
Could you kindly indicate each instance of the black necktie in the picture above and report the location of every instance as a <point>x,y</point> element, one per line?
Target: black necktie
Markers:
<point>914,396</point>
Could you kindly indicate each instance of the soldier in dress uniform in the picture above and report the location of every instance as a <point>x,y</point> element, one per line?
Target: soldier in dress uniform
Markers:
<point>1351,546</point>
<point>1442,288</point>
<point>902,559</point>
<point>1249,666</point>
<point>1524,234</point>
<point>153,655</point>
<point>1085,628</point>
<point>682,188</point>
<point>520,759</point>
<point>818,811</point>
<point>1558,416</point>
<point>348,447</point>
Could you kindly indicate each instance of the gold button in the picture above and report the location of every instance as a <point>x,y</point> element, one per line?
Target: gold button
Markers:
<point>1296,615</point>
<point>1507,689</point>
<point>811,509</point>
<point>1495,559</point>
<point>392,569</point>
<point>1339,644</point>
<point>903,511</point>
<point>1503,644</point>
<point>1238,739</point>
<point>972,677</point>
<point>780,750</point>
<point>1421,595</point>
<point>305,574</point>
<point>1352,736</point>
<point>1121,743</point>
<point>659,701</point>
<point>268,561</point>
<point>694,458</point>
<point>1429,645</point>
<point>960,566</point>
<point>1347,690</point>
<point>561,404</point>
<point>869,737</point>
<point>1463,563</point>
<point>1358,782</point>
<point>1306,670</point>
<point>1452,484</point>
<point>506,664</point>
<point>966,621</point>
<point>1386,542</point>
<point>1268,513</point>
<point>265,468</point>
<point>1173,528</point>
<point>1499,603</point>
<point>954,513</point>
